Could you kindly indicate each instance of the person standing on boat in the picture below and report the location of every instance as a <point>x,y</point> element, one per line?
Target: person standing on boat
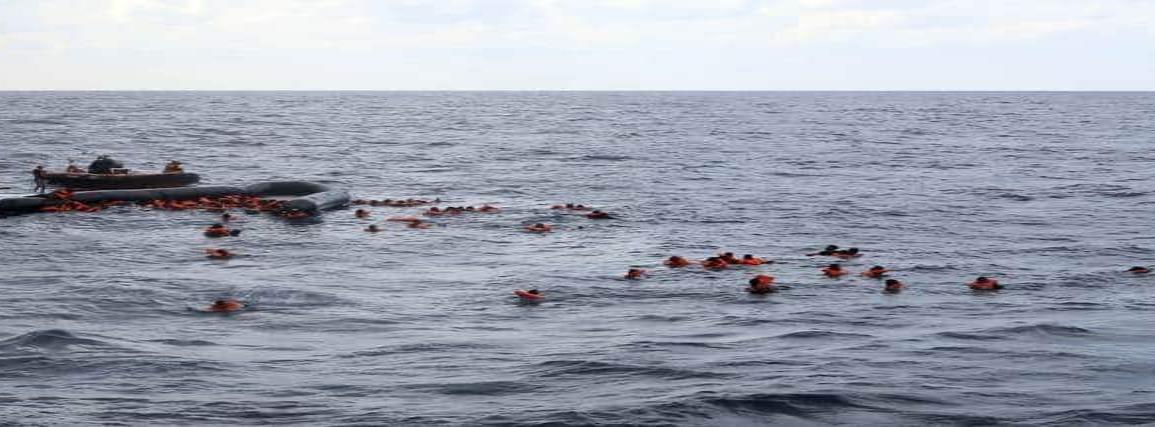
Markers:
<point>39,179</point>
<point>173,167</point>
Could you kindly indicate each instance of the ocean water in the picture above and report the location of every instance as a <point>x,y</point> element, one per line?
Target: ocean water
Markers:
<point>1051,193</point>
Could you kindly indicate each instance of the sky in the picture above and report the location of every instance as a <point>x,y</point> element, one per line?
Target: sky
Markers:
<point>577,45</point>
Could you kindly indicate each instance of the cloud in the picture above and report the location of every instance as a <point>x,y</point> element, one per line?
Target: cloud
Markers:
<point>344,32</point>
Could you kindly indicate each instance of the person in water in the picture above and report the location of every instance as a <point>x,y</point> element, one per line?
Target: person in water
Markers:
<point>730,258</point>
<point>876,272</point>
<point>985,284</point>
<point>677,262</point>
<point>419,224</point>
<point>761,284</point>
<point>596,214</point>
<point>829,251</point>
<point>225,217</point>
<point>373,228</point>
<point>1139,270</point>
<point>635,274</point>
<point>217,253</point>
<point>219,230</point>
<point>749,259</point>
<point>715,263</point>
<point>847,254</point>
<point>539,228</point>
<point>361,213</point>
<point>173,167</point>
<point>893,286</point>
<point>227,305</point>
<point>39,179</point>
<point>834,271</point>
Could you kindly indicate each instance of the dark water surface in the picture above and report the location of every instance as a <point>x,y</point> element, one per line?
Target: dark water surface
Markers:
<point>1052,193</point>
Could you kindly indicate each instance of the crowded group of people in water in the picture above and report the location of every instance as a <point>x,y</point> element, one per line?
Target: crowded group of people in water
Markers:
<point>760,284</point>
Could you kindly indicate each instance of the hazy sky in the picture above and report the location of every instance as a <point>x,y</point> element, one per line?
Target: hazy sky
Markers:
<point>579,44</point>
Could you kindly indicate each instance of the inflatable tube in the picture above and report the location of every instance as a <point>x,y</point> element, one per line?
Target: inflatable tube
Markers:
<point>22,204</point>
<point>117,181</point>
<point>285,188</point>
<point>305,196</point>
<point>313,197</point>
<point>144,195</point>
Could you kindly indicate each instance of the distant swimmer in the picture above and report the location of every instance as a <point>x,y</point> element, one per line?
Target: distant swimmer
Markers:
<point>676,262</point>
<point>829,251</point>
<point>228,305</point>
<point>893,286</point>
<point>598,215</point>
<point>226,217</point>
<point>217,253</point>
<point>418,224</point>
<point>847,254</point>
<point>636,274</point>
<point>876,272</point>
<point>361,213</point>
<point>1139,270</point>
<point>488,209</point>
<point>219,230</point>
<point>403,219</point>
<point>985,284</point>
<point>752,260</point>
<point>373,228</point>
<point>834,270</point>
<point>530,295</point>
<point>761,284</point>
<point>730,258</point>
<point>539,228</point>
<point>715,263</point>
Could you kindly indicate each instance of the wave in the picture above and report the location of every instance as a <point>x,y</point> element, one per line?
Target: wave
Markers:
<point>562,368</point>
<point>35,122</point>
<point>821,334</point>
<point>47,339</point>
<point>483,388</point>
<point>1042,329</point>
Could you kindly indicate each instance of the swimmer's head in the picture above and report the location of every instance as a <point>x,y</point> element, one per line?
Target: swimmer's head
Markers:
<point>834,267</point>
<point>852,251</point>
<point>831,247</point>
<point>877,267</point>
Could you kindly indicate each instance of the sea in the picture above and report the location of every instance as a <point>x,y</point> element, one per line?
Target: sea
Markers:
<point>1051,193</point>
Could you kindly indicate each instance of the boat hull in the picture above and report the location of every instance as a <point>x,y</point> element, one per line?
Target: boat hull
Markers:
<point>120,181</point>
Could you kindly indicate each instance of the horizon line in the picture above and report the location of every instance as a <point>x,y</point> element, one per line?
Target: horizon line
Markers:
<point>607,90</point>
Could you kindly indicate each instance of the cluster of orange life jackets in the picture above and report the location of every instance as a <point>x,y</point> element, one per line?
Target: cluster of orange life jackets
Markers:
<point>458,210</point>
<point>219,204</point>
<point>407,203</point>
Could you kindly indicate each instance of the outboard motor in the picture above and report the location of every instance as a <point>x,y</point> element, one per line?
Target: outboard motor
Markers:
<point>104,165</point>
